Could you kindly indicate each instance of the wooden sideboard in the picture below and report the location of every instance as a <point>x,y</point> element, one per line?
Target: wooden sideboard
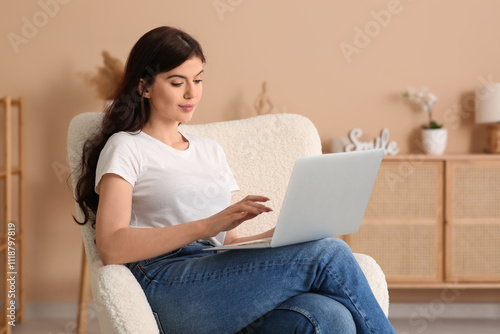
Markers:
<point>434,220</point>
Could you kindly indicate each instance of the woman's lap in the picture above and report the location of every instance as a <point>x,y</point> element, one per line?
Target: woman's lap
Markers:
<point>225,292</point>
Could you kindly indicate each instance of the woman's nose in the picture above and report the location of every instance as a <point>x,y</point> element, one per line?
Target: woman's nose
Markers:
<point>190,92</point>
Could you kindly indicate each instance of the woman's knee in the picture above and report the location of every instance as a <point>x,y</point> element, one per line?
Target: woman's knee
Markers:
<point>333,247</point>
<point>322,313</point>
<point>336,243</point>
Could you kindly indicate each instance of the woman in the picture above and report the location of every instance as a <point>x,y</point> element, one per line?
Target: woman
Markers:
<point>140,178</point>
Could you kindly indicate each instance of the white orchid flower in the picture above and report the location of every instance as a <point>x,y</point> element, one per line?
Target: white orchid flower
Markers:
<point>425,98</point>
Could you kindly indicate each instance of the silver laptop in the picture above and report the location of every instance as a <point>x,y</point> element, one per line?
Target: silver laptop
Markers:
<point>326,197</point>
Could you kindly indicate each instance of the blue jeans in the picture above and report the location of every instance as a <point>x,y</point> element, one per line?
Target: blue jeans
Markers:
<point>314,287</point>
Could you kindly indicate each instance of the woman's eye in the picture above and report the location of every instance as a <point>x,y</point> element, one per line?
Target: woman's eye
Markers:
<point>176,84</point>
<point>198,81</point>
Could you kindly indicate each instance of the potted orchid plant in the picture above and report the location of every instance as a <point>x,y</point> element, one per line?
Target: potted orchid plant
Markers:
<point>434,137</point>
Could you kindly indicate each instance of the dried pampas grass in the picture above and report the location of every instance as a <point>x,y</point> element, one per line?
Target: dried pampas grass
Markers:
<point>108,77</point>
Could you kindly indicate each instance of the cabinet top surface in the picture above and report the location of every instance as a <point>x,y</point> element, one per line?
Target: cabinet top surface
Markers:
<point>445,157</point>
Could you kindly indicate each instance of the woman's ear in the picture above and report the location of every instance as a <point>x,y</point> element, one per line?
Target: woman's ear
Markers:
<point>142,89</point>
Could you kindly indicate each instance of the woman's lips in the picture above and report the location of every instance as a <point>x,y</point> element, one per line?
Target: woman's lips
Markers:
<point>187,107</point>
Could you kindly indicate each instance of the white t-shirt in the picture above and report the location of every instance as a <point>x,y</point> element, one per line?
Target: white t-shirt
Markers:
<point>171,186</point>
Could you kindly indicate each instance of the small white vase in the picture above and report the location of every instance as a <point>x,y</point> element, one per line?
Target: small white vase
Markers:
<point>434,141</point>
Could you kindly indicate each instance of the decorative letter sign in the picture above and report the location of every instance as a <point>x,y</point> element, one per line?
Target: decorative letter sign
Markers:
<point>391,148</point>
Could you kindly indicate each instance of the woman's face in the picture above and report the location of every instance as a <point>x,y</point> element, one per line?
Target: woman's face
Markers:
<point>174,94</point>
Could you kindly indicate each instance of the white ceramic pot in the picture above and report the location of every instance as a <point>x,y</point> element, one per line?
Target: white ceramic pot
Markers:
<point>434,140</point>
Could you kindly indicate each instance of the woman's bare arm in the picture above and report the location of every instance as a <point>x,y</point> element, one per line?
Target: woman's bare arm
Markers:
<point>118,243</point>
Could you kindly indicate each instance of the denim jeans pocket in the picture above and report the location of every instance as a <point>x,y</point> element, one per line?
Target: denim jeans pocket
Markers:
<point>150,267</point>
<point>158,323</point>
<point>148,262</point>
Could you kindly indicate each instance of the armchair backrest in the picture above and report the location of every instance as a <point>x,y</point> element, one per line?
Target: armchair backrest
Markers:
<point>260,150</point>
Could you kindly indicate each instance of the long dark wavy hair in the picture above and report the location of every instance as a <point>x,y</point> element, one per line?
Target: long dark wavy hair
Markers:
<point>159,50</point>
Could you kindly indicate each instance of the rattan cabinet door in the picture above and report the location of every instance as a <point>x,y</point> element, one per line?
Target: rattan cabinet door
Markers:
<point>402,228</point>
<point>472,221</point>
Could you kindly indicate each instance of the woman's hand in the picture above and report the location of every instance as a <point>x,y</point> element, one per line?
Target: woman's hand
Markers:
<point>232,236</point>
<point>234,215</point>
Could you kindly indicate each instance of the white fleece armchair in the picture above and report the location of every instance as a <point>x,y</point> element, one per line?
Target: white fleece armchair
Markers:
<point>261,151</point>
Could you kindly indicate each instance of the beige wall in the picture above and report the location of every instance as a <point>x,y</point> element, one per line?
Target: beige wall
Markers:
<point>449,46</point>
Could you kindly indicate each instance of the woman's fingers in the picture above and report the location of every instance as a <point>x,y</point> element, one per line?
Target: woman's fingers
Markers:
<point>246,209</point>
<point>253,208</point>
<point>255,198</point>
